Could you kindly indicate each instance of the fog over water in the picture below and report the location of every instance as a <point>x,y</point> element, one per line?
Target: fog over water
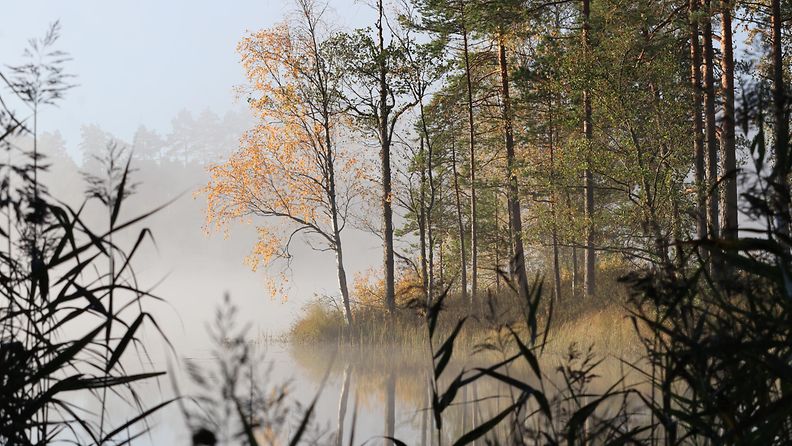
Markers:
<point>191,267</point>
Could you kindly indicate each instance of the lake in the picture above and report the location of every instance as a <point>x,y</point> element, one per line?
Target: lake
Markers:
<point>366,393</point>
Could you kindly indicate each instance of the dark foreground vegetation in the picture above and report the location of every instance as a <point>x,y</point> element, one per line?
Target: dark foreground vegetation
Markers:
<point>710,307</point>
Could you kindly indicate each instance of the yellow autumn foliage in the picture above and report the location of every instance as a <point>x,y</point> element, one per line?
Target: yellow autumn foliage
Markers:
<point>368,287</point>
<point>287,168</point>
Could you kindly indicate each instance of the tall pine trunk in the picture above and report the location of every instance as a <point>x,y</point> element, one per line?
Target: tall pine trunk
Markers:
<point>589,278</point>
<point>429,266</point>
<point>429,232</point>
<point>728,160</point>
<point>575,285</point>
<point>710,127</point>
<point>553,210</point>
<point>440,264</point>
<point>460,224</point>
<point>698,124</point>
<point>422,224</point>
<point>472,155</point>
<point>496,247</point>
<point>518,261</point>
<point>387,206</point>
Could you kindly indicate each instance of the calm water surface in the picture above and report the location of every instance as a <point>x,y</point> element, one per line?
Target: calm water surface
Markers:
<point>386,393</point>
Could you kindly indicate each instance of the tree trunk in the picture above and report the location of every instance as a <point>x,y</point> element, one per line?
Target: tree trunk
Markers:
<point>422,225</point>
<point>429,266</point>
<point>441,264</point>
<point>677,222</point>
<point>460,225</point>
<point>518,262</point>
<point>698,124</point>
<point>387,208</point>
<point>780,178</point>
<point>728,197</point>
<point>661,240</point>
<point>430,263</point>
<point>429,232</point>
<point>575,265</point>
<point>575,272</point>
<point>553,214</point>
<point>496,248</point>
<point>472,155</point>
<point>331,191</point>
<point>342,278</point>
<point>556,262</point>
<point>589,278</point>
<point>511,237</point>
<point>651,222</point>
<point>556,267</point>
<point>710,127</point>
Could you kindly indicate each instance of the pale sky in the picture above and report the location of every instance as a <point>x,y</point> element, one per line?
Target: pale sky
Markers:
<point>140,62</point>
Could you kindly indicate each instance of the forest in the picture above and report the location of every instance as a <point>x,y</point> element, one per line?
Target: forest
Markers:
<point>483,222</point>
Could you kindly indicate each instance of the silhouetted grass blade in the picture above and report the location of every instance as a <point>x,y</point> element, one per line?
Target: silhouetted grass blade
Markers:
<point>490,424</point>
<point>443,354</point>
<point>140,417</point>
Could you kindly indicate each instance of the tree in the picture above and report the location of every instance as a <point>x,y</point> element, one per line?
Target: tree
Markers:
<point>147,144</point>
<point>710,129</point>
<point>502,18</point>
<point>589,277</point>
<point>440,121</point>
<point>423,67</point>
<point>728,158</point>
<point>446,18</point>
<point>289,168</point>
<point>696,90</point>
<point>540,108</point>
<point>376,99</point>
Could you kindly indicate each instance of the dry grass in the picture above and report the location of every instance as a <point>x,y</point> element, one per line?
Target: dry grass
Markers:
<point>602,322</point>
<point>608,329</point>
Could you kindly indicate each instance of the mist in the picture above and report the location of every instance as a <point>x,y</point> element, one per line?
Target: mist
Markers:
<point>189,263</point>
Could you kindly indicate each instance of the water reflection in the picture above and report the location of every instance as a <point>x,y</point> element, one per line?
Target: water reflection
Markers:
<point>374,393</point>
<point>342,404</point>
<point>393,388</point>
<point>390,405</point>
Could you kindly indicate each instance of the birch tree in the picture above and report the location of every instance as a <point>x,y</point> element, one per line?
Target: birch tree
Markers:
<point>290,170</point>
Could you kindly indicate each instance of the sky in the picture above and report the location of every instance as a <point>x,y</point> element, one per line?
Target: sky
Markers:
<point>141,62</point>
